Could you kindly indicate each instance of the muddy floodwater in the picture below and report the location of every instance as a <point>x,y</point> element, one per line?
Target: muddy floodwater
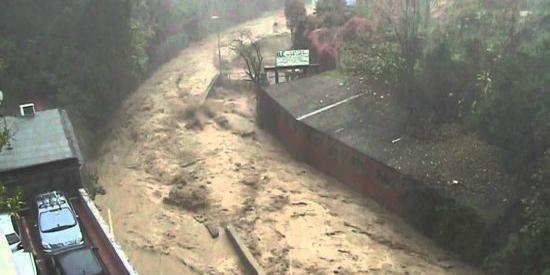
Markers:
<point>294,219</point>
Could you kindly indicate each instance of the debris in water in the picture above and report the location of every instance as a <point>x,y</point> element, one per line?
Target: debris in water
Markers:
<point>188,197</point>
<point>213,230</point>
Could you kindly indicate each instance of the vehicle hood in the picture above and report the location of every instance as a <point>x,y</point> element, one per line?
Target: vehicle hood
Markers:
<point>60,239</point>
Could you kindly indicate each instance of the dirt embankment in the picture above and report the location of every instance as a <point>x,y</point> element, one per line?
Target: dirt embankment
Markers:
<point>213,166</point>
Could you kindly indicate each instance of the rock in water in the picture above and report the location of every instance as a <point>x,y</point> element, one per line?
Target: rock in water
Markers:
<point>188,197</point>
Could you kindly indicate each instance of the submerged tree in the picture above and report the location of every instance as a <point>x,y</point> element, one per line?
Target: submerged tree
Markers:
<point>251,54</point>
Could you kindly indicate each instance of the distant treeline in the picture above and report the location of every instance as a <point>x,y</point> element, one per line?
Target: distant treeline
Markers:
<point>87,55</point>
<point>176,22</point>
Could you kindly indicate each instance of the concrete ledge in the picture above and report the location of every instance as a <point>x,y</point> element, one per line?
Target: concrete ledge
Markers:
<point>103,226</point>
<point>250,263</point>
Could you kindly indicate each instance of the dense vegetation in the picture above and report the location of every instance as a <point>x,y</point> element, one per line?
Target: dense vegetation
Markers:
<point>86,56</point>
<point>481,65</point>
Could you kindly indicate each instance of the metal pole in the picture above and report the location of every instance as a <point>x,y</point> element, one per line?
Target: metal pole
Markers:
<point>110,221</point>
<point>219,50</point>
<point>217,19</point>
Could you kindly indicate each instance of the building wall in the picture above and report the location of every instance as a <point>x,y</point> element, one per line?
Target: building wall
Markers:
<point>61,175</point>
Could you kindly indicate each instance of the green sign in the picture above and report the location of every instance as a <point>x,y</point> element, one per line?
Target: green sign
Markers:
<point>292,58</point>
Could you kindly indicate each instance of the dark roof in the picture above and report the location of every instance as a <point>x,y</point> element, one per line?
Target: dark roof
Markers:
<point>46,137</point>
<point>369,122</point>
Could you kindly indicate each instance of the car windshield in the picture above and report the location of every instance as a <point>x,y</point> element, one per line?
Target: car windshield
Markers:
<point>57,219</point>
<point>12,238</point>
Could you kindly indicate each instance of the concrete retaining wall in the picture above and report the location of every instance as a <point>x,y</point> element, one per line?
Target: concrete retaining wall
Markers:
<point>331,156</point>
<point>111,253</point>
<point>449,222</point>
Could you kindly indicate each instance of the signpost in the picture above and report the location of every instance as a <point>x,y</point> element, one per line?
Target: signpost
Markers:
<point>292,58</point>
<point>348,3</point>
<point>215,17</point>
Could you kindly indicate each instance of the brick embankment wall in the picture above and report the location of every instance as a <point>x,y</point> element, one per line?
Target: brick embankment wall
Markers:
<point>427,209</point>
<point>331,156</point>
<point>96,230</point>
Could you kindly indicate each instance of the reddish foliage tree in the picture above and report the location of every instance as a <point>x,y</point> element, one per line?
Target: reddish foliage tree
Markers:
<point>326,32</point>
<point>356,27</point>
<point>325,45</point>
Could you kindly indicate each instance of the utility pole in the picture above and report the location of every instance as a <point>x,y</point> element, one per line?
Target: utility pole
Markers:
<point>217,18</point>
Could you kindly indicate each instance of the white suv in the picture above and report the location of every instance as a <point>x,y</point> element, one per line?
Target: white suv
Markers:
<point>7,227</point>
<point>58,226</point>
<point>22,262</point>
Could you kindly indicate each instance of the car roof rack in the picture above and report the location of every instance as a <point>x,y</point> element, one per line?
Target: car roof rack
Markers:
<point>50,200</point>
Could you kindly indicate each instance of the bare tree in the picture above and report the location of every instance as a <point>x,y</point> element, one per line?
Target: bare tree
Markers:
<point>251,53</point>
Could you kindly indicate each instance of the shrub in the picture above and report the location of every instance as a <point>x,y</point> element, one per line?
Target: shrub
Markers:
<point>11,203</point>
<point>90,180</point>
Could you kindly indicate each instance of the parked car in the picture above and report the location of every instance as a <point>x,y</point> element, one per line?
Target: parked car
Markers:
<point>8,227</point>
<point>78,261</point>
<point>57,222</point>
